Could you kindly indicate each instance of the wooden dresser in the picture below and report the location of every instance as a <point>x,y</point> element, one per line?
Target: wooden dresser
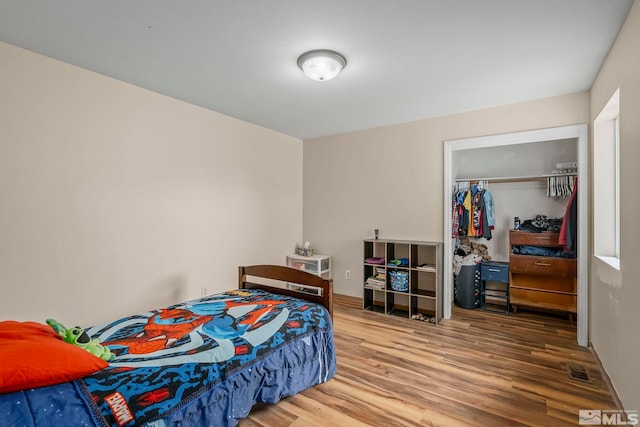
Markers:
<point>548,283</point>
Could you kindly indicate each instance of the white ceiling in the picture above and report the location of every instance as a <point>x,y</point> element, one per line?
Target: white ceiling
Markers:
<point>407,59</point>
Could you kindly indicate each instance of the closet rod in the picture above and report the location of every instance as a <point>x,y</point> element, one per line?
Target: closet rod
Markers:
<point>515,178</point>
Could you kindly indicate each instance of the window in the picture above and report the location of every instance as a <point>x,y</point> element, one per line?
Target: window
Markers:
<point>617,178</point>
<point>606,180</point>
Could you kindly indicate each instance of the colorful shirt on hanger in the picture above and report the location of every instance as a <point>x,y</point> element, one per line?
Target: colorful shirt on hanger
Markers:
<point>472,213</point>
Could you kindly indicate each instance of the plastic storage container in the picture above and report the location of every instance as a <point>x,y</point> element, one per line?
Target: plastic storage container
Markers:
<point>399,281</point>
<point>467,287</point>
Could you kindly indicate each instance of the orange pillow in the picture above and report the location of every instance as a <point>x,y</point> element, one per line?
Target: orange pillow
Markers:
<point>33,355</point>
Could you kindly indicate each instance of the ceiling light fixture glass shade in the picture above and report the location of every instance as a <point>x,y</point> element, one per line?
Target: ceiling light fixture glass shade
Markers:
<point>321,65</point>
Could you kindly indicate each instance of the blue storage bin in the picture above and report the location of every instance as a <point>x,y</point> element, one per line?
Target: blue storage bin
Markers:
<point>399,281</point>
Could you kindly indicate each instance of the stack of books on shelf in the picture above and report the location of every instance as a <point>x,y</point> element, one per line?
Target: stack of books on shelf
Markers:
<point>377,281</point>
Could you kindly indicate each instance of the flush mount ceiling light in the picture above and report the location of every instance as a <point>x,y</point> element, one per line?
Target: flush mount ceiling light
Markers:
<point>321,64</point>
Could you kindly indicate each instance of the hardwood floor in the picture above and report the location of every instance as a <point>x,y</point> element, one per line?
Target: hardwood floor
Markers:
<point>476,369</point>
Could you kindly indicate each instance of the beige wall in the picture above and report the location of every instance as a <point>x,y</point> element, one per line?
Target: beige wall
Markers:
<point>114,199</point>
<point>615,296</point>
<point>391,178</point>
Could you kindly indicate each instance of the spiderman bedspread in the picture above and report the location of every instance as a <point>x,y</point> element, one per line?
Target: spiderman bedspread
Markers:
<point>170,362</point>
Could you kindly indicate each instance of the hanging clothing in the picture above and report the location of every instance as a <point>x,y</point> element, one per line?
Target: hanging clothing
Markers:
<point>455,218</point>
<point>477,206</point>
<point>460,206</point>
<point>486,229</point>
<point>472,212</point>
<point>480,217</point>
<point>467,223</point>
<point>569,230</point>
<point>489,209</point>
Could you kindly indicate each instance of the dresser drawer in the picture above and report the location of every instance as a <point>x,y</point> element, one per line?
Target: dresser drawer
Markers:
<point>567,285</point>
<point>546,238</point>
<point>494,272</point>
<point>544,266</point>
<point>546,300</point>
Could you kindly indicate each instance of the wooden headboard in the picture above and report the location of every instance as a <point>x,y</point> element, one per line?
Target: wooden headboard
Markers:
<point>288,275</point>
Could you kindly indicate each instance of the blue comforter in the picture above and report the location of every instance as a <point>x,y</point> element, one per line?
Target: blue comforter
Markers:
<point>203,362</point>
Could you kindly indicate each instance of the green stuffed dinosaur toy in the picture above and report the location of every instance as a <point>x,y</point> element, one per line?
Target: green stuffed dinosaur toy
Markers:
<point>78,337</point>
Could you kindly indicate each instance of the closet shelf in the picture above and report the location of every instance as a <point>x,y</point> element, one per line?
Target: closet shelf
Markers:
<point>516,178</point>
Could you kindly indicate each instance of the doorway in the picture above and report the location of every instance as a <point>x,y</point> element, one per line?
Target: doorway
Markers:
<point>579,132</point>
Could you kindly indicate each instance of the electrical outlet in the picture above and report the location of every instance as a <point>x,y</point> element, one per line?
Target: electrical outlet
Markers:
<point>204,291</point>
<point>347,274</point>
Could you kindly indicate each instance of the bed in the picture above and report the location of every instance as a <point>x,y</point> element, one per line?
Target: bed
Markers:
<point>203,362</point>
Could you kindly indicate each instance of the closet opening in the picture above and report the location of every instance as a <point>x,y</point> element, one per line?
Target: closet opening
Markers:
<point>518,169</point>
